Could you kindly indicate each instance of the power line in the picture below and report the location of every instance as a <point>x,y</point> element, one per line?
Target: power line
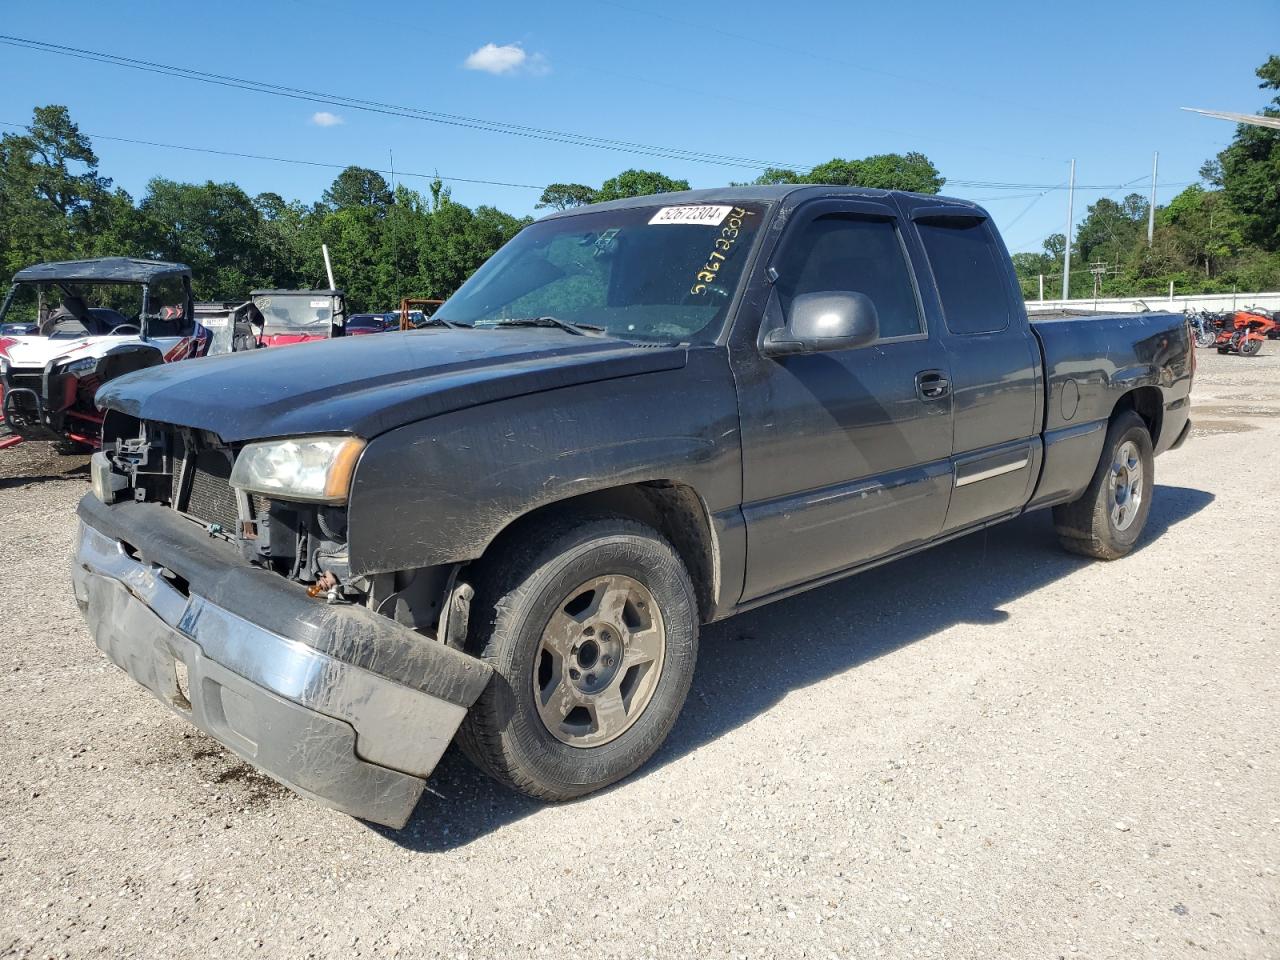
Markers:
<point>307,163</point>
<point>457,120</point>
<point>769,40</point>
<point>405,173</point>
<point>397,110</point>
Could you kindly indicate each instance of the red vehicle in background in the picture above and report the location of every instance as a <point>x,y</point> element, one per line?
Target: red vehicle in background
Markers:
<point>297,316</point>
<point>362,324</point>
<point>1247,331</point>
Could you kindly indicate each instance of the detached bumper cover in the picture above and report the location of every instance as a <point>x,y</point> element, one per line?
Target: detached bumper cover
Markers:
<point>342,706</point>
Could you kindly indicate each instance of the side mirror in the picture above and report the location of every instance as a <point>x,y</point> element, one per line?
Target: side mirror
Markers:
<point>825,321</point>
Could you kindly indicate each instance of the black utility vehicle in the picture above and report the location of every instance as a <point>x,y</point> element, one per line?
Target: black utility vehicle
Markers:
<point>637,417</point>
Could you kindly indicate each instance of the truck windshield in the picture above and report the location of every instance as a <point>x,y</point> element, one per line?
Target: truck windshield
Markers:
<point>658,273</point>
<point>295,312</point>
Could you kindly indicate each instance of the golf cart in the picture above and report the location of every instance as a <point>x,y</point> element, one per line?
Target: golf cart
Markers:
<point>86,322</point>
<point>297,316</point>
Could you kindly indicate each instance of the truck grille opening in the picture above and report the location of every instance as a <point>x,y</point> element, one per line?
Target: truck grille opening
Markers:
<point>212,499</point>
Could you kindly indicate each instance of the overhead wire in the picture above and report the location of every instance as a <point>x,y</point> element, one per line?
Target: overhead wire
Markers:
<point>308,163</point>
<point>458,120</point>
<point>398,110</point>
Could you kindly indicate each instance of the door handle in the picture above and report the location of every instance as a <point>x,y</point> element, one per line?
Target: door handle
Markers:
<point>932,385</point>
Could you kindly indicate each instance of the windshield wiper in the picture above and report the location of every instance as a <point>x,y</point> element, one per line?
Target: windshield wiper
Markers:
<point>581,329</point>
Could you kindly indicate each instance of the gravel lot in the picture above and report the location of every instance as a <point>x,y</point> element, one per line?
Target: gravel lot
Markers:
<point>995,749</point>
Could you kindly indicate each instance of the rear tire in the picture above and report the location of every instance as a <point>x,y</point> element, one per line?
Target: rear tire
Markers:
<point>588,676</point>
<point>1108,518</point>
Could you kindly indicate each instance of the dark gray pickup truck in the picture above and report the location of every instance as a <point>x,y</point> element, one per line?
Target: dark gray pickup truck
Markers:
<point>637,417</point>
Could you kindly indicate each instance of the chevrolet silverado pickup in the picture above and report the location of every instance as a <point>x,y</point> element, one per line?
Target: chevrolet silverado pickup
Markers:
<point>635,418</point>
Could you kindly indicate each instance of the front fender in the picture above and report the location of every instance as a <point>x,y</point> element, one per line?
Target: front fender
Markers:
<point>439,491</point>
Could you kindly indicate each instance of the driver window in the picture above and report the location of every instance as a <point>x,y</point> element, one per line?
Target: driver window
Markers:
<point>852,255</point>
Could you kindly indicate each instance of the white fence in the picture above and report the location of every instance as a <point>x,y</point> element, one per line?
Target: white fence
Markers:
<point>1212,302</point>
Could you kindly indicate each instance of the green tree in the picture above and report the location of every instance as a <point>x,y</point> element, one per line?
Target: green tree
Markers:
<point>399,255</point>
<point>1250,168</point>
<point>562,196</point>
<point>779,175</point>
<point>1110,229</point>
<point>638,183</point>
<point>49,185</point>
<point>457,240</point>
<point>286,235</point>
<point>886,171</point>
<point>1204,226</point>
<point>214,228</point>
<point>359,187</point>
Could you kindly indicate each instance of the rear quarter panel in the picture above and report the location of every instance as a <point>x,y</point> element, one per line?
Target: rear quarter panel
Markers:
<point>1090,364</point>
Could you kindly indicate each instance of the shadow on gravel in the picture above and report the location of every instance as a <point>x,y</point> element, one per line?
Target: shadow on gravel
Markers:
<point>751,661</point>
<point>75,473</point>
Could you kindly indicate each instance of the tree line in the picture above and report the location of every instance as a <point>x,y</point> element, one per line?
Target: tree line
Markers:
<point>1216,236</point>
<point>390,242</point>
<point>386,242</point>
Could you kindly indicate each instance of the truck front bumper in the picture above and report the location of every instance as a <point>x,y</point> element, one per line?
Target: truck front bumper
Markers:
<point>342,706</point>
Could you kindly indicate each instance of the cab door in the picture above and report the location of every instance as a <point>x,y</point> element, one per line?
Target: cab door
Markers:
<point>995,364</point>
<point>846,453</point>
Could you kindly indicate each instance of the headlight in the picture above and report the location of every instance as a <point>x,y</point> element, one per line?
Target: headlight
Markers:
<point>81,365</point>
<point>306,468</point>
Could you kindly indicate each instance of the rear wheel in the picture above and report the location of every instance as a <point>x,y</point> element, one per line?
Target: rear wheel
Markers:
<point>1109,517</point>
<point>592,631</point>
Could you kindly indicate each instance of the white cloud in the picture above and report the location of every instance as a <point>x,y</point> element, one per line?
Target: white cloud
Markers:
<point>507,59</point>
<point>324,118</point>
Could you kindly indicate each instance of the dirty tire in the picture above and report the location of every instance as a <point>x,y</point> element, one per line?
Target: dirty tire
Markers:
<point>516,596</point>
<point>1086,526</point>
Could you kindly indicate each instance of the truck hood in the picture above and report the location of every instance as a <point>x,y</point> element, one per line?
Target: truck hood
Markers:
<point>33,352</point>
<point>368,385</point>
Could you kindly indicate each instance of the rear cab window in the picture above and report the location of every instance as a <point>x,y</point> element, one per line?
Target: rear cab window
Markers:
<point>970,275</point>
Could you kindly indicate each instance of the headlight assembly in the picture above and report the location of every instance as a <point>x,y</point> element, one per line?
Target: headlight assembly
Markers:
<point>82,365</point>
<point>314,469</point>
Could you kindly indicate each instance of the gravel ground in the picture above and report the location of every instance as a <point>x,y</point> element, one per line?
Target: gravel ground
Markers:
<point>995,749</point>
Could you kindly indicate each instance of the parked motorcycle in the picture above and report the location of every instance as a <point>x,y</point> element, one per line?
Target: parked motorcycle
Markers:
<point>1274,332</point>
<point>1204,330</point>
<point>1247,330</point>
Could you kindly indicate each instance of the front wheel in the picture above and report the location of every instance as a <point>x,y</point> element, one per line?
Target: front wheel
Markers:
<point>1250,348</point>
<point>1106,521</point>
<point>592,632</point>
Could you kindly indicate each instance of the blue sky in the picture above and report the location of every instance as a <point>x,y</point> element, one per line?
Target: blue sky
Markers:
<point>991,92</point>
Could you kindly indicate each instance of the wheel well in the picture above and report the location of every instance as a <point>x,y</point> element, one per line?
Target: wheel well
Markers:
<point>673,509</point>
<point>1148,404</point>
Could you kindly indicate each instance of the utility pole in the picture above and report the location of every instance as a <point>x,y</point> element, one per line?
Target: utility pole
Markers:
<point>395,233</point>
<point>1066,256</point>
<point>1042,288</point>
<point>1151,209</point>
<point>1099,270</point>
